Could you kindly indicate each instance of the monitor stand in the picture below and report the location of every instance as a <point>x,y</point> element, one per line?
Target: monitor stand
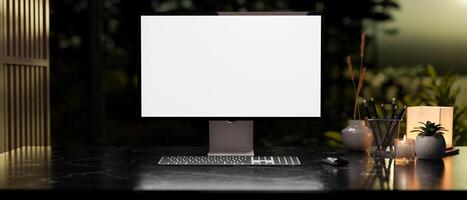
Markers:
<point>230,138</point>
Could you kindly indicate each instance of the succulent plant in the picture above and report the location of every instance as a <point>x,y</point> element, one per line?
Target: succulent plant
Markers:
<point>429,129</point>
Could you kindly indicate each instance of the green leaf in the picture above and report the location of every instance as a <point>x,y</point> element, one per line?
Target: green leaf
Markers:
<point>431,71</point>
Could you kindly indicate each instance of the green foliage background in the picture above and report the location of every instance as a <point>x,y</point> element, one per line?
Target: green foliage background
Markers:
<point>94,74</point>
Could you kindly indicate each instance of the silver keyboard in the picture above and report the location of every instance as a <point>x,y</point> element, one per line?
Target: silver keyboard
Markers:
<point>229,160</point>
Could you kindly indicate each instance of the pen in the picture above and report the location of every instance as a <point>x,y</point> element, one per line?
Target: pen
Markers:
<point>373,107</point>
<point>367,110</point>
<point>377,134</point>
<point>394,107</point>
<point>383,111</point>
<point>401,113</point>
<point>394,112</point>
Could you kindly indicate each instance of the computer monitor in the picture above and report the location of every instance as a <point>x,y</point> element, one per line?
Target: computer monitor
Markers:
<point>230,69</point>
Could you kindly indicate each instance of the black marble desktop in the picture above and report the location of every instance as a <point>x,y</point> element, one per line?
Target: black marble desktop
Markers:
<point>135,169</point>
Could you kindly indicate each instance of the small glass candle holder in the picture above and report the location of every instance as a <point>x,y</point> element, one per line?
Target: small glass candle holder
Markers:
<point>404,150</point>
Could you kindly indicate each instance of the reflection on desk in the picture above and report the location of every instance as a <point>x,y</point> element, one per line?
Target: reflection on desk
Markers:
<point>135,169</point>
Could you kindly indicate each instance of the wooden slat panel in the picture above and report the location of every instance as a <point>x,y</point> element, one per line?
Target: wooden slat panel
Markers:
<point>24,73</point>
<point>26,106</point>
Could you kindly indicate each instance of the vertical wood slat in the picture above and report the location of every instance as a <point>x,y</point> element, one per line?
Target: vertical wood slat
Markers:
<point>3,130</point>
<point>3,14</point>
<point>33,28</point>
<point>36,105</point>
<point>27,32</point>
<point>22,104</point>
<point>19,31</point>
<point>21,28</point>
<point>41,29</point>
<point>7,27</point>
<point>16,90</point>
<point>45,40</point>
<point>36,15</point>
<point>4,109</point>
<point>39,85</point>
<point>38,138</point>
<point>27,104</point>
<point>46,72</point>
<point>9,114</point>
<point>13,27</point>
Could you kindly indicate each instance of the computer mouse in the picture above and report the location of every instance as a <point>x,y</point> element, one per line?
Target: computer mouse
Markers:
<point>338,162</point>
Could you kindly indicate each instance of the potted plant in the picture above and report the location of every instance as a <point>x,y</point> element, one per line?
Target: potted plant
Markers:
<point>430,143</point>
<point>357,136</point>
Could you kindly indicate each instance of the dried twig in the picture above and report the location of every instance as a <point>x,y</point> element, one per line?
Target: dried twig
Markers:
<point>361,76</point>
<point>352,77</point>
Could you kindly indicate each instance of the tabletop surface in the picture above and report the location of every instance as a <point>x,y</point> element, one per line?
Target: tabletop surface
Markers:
<point>136,169</point>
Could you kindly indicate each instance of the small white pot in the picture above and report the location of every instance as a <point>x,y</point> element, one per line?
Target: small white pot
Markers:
<point>430,147</point>
<point>357,136</point>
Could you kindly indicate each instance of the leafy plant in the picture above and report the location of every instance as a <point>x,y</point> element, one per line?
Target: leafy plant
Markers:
<point>440,91</point>
<point>421,85</point>
<point>429,129</point>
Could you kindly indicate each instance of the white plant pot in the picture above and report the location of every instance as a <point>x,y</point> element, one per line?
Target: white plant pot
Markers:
<point>430,147</point>
<point>357,136</point>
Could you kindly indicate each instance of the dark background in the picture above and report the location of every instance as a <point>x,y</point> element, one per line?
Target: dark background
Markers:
<point>94,72</point>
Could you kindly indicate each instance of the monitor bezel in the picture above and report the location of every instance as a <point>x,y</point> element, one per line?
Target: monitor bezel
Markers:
<point>226,117</point>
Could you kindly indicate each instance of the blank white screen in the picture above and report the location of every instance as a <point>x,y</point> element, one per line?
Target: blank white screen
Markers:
<point>230,66</point>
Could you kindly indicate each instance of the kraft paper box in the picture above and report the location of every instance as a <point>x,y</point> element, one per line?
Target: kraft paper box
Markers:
<point>436,114</point>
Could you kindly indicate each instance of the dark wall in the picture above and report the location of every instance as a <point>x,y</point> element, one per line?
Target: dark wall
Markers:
<point>94,72</point>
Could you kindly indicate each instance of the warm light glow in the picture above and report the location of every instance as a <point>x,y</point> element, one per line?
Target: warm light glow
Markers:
<point>463,2</point>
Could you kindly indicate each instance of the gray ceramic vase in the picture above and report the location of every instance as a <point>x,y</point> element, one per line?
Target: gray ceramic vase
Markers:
<point>430,147</point>
<point>357,136</point>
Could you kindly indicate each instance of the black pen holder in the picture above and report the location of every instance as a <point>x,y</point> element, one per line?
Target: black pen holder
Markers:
<point>384,133</point>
